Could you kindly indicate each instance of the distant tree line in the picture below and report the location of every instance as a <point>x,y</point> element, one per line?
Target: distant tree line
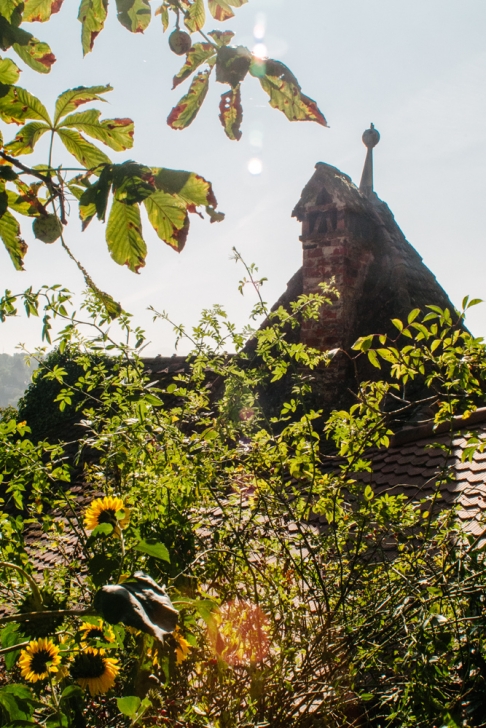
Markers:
<point>14,378</point>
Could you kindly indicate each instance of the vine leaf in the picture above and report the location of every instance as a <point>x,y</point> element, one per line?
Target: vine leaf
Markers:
<point>199,53</point>
<point>92,15</point>
<point>10,234</point>
<point>38,11</point>
<point>188,107</point>
<point>115,133</point>
<point>74,97</point>
<point>86,153</point>
<point>135,15</point>
<point>124,236</point>
<point>9,71</point>
<point>27,138</point>
<point>231,113</point>
<point>285,92</point>
<point>195,17</point>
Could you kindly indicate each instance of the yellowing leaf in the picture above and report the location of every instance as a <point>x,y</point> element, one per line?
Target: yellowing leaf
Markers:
<point>33,52</point>
<point>222,37</point>
<point>10,234</point>
<point>195,17</point>
<point>135,15</point>
<point>73,98</point>
<point>86,153</point>
<point>187,109</point>
<point>8,8</point>
<point>92,15</point>
<point>231,113</point>
<point>18,105</point>
<point>285,92</point>
<point>124,236</point>
<point>115,133</point>
<point>9,71</point>
<point>191,187</point>
<point>27,138</point>
<point>200,53</point>
<point>40,10</point>
<point>169,218</point>
<point>220,9</point>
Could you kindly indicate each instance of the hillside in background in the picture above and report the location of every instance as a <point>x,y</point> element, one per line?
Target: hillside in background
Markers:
<point>14,378</point>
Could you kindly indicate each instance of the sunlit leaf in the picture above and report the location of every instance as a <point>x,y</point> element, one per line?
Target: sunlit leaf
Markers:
<point>25,203</point>
<point>33,52</point>
<point>191,187</point>
<point>18,105</point>
<point>9,7</point>
<point>10,234</point>
<point>73,98</point>
<point>92,15</point>
<point>124,236</point>
<point>115,133</point>
<point>135,15</point>
<point>187,109</point>
<point>9,71</point>
<point>157,550</point>
<point>86,153</point>
<point>40,10</point>
<point>200,53</point>
<point>231,113</point>
<point>232,65</point>
<point>220,9</point>
<point>222,37</point>
<point>27,138</point>
<point>94,199</point>
<point>132,182</point>
<point>285,92</point>
<point>169,218</point>
<point>195,17</point>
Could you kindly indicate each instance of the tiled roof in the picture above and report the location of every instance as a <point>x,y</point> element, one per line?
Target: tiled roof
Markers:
<point>412,465</point>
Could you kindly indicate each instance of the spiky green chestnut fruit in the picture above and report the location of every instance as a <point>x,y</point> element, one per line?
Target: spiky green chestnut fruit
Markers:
<point>180,42</point>
<point>47,228</point>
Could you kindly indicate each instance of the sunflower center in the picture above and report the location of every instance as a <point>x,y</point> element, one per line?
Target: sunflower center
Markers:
<point>40,661</point>
<point>87,665</point>
<point>107,516</point>
<point>95,634</point>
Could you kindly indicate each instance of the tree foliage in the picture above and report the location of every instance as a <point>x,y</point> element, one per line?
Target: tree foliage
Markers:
<point>376,615</point>
<point>115,191</point>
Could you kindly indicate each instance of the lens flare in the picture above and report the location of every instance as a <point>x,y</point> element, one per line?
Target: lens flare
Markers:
<point>255,166</point>
<point>241,635</point>
<point>260,51</point>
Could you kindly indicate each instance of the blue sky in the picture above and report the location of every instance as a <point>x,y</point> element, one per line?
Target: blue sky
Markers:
<point>415,68</point>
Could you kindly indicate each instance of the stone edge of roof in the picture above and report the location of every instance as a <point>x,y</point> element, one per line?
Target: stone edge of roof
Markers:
<point>421,432</point>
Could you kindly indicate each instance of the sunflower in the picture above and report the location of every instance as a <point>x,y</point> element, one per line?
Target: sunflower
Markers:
<point>91,669</point>
<point>182,646</point>
<point>38,659</point>
<point>104,510</point>
<point>98,631</point>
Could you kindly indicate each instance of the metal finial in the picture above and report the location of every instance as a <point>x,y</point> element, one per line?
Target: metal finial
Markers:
<point>371,137</point>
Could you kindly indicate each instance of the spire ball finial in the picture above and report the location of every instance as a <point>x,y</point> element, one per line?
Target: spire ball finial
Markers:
<point>371,137</point>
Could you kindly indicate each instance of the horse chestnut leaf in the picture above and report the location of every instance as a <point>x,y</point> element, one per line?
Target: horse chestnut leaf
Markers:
<point>180,42</point>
